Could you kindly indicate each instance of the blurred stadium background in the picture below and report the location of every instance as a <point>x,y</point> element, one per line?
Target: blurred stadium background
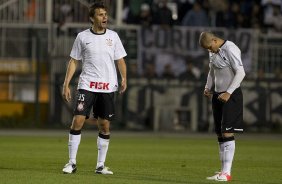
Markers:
<point>166,67</point>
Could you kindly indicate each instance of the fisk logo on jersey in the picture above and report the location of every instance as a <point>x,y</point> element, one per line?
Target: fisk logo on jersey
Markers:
<point>100,85</point>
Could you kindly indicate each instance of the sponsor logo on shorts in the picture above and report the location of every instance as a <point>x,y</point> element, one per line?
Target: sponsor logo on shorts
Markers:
<point>228,128</point>
<point>100,85</point>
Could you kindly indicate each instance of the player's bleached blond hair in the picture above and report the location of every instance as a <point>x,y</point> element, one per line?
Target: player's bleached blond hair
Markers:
<point>206,38</point>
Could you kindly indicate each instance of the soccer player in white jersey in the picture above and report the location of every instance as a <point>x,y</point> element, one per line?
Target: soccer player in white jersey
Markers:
<point>226,74</point>
<point>97,48</point>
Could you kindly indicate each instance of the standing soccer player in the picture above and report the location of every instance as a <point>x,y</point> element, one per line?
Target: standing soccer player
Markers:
<point>226,74</point>
<point>97,48</point>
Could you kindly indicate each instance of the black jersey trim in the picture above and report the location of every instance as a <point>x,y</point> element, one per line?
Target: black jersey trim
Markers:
<point>97,33</point>
<point>222,43</point>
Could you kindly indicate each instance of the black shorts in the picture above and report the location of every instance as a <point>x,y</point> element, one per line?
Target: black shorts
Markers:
<point>101,103</point>
<point>228,117</point>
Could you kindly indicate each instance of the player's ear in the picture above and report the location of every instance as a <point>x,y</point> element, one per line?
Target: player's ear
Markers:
<point>92,20</point>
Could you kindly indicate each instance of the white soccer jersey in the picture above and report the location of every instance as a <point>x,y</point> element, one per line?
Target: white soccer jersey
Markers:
<point>98,53</point>
<point>226,68</point>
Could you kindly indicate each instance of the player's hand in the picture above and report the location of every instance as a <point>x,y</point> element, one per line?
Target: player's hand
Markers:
<point>66,93</point>
<point>123,86</point>
<point>207,93</point>
<point>224,97</point>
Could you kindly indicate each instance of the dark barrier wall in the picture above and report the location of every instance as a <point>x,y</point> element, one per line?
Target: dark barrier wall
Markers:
<point>167,105</point>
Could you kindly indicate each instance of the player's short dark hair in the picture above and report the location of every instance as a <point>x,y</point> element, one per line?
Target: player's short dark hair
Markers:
<point>96,5</point>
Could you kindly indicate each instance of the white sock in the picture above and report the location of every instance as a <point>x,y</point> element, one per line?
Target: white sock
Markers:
<point>221,149</point>
<point>228,150</point>
<point>74,141</point>
<point>102,145</point>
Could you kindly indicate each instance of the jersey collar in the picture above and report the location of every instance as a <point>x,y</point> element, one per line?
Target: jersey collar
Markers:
<point>97,33</point>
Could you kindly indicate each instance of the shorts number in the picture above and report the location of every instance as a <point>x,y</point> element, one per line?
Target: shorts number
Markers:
<point>81,97</point>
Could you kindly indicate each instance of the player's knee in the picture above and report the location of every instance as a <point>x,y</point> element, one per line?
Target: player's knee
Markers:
<point>76,127</point>
<point>104,126</point>
<point>224,137</point>
<point>227,135</point>
<point>104,130</point>
<point>77,122</point>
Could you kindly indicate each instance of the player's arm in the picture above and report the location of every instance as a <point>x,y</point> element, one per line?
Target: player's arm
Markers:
<point>239,76</point>
<point>69,74</point>
<point>209,84</point>
<point>122,70</point>
<point>237,66</point>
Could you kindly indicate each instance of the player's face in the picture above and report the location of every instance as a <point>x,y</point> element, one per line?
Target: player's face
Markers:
<point>100,19</point>
<point>212,46</point>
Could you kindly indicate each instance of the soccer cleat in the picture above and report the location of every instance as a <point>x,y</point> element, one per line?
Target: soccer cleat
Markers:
<point>223,177</point>
<point>103,170</point>
<point>69,168</point>
<point>214,177</point>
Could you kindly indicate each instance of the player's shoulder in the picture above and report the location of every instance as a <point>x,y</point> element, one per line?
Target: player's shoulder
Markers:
<point>111,32</point>
<point>229,45</point>
<point>84,32</point>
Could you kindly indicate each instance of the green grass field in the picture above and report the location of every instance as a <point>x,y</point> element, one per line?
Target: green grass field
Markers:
<point>138,159</point>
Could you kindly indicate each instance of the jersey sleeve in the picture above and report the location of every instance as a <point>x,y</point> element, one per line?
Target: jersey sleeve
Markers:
<point>119,49</point>
<point>210,78</point>
<point>237,66</point>
<point>76,52</point>
<point>234,55</point>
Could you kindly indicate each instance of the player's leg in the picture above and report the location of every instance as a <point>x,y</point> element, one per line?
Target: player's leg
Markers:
<point>227,148</point>
<point>226,144</point>
<point>231,123</point>
<point>81,110</point>
<point>74,141</point>
<point>103,145</point>
<point>217,106</point>
<point>105,114</point>
<point>75,137</point>
<point>217,116</point>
